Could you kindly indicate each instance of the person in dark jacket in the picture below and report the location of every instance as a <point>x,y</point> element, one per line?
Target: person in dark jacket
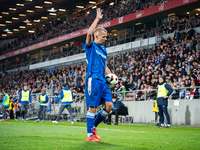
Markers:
<point>175,94</point>
<point>17,110</point>
<point>164,91</point>
<point>191,33</point>
<point>11,109</point>
<point>117,106</point>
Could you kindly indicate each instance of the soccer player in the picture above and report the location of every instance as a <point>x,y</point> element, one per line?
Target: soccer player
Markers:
<point>24,100</point>
<point>96,89</point>
<point>67,98</point>
<point>43,99</point>
<point>5,104</point>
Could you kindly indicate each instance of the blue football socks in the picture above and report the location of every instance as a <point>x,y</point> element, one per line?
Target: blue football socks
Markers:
<point>90,123</point>
<point>100,117</point>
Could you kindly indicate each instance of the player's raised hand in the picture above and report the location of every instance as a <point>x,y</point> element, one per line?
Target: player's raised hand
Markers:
<point>99,13</point>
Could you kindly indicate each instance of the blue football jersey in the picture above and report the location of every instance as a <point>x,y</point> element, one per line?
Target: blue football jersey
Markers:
<point>96,60</point>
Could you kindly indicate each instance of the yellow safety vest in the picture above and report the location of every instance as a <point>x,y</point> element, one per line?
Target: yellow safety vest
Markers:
<point>67,96</point>
<point>25,96</point>
<point>155,106</point>
<point>42,99</point>
<point>162,91</point>
<point>7,100</point>
<point>10,107</point>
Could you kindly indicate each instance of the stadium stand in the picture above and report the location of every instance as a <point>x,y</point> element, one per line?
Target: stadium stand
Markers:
<point>171,27</point>
<point>178,61</point>
<point>79,22</point>
<point>175,57</point>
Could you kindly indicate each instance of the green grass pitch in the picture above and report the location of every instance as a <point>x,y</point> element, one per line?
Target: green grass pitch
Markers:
<point>63,136</point>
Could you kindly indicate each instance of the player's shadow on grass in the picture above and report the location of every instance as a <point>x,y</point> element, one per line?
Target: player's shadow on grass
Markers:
<point>105,144</point>
<point>89,145</point>
<point>101,144</point>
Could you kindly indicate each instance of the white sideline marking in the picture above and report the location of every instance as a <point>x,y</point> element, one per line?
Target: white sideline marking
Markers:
<point>112,129</point>
<point>106,129</point>
<point>122,130</point>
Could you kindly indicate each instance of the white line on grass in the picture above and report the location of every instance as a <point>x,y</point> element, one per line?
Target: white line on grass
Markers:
<point>111,129</point>
<point>118,130</point>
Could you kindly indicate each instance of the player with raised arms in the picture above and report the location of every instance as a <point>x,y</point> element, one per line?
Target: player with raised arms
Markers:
<point>96,90</point>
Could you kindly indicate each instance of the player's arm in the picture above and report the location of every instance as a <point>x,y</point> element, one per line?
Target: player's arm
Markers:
<point>93,26</point>
<point>107,71</point>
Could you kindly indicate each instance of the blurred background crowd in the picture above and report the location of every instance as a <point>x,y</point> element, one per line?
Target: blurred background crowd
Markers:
<point>178,59</point>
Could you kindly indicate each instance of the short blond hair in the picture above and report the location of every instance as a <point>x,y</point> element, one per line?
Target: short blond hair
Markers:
<point>98,29</point>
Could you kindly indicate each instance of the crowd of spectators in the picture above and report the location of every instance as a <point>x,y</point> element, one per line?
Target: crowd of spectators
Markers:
<point>80,21</point>
<point>177,58</point>
<point>170,26</point>
<point>44,79</point>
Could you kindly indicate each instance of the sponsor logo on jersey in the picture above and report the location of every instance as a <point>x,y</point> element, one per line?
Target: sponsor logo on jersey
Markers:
<point>100,54</point>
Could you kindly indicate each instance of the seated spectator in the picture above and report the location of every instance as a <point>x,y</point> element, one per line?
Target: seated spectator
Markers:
<point>129,97</point>
<point>141,94</point>
<point>182,93</point>
<point>151,95</point>
<point>134,86</point>
<point>194,94</point>
<point>175,93</point>
<point>187,94</point>
<point>118,108</point>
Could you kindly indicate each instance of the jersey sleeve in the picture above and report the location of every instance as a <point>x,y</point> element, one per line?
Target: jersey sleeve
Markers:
<point>88,46</point>
<point>30,97</point>
<point>5,97</point>
<point>20,96</point>
<point>88,49</point>
<point>61,94</point>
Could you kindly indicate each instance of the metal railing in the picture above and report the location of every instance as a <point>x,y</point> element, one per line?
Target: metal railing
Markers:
<point>55,101</point>
<point>54,104</point>
<point>144,95</point>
